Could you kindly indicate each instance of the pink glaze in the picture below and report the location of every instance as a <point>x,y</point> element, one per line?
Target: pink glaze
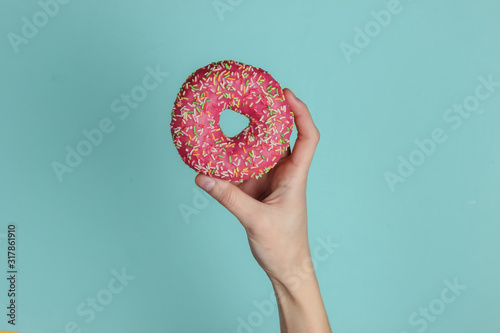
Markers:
<point>248,90</point>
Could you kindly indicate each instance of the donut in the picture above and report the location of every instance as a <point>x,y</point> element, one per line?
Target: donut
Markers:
<point>248,90</point>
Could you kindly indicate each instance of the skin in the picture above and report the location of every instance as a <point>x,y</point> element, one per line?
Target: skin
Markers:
<point>273,212</point>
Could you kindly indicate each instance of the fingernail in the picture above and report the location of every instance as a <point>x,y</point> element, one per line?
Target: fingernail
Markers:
<point>206,183</point>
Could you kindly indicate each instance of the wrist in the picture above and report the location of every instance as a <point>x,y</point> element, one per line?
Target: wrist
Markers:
<point>297,272</point>
<point>295,287</point>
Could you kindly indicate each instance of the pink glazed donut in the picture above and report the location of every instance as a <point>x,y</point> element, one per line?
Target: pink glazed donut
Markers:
<point>248,90</point>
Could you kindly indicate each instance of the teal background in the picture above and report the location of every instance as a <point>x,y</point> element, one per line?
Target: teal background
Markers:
<point>121,207</point>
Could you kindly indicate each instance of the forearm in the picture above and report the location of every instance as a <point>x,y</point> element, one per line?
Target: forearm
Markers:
<point>300,305</point>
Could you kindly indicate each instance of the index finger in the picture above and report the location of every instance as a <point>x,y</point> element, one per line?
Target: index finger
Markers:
<point>307,132</point>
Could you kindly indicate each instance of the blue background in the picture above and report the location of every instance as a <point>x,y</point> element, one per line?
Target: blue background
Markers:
<point>121,208</point>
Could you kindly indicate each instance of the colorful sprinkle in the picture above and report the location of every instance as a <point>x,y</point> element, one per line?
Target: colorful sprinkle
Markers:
<point>248,90</point>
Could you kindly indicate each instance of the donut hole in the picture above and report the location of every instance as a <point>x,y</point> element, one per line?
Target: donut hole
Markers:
<point>232,122</point>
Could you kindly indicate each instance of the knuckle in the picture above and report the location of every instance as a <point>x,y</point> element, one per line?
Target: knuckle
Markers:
<point>316,135</point>
<point>227,198</point>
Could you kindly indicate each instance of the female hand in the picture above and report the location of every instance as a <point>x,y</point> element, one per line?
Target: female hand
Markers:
<point>273,212</point>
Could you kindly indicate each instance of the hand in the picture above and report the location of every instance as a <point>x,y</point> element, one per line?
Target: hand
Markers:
<point>273,212</point>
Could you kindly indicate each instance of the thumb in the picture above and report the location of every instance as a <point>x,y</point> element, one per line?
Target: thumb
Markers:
<point>228,195</point>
